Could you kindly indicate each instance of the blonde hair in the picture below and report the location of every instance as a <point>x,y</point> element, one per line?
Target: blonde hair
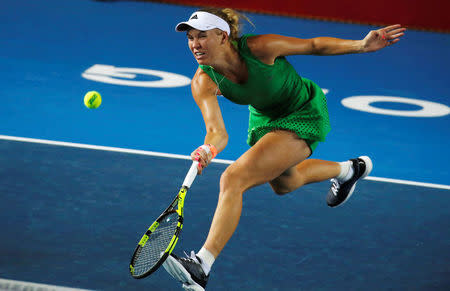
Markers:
<point>232,17</point>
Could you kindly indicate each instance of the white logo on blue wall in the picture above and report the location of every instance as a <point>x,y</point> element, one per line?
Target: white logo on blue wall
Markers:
<point>428,108</point>
<point>127,77</point>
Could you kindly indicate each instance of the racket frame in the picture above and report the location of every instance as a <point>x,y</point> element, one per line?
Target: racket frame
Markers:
<point>177,201</point>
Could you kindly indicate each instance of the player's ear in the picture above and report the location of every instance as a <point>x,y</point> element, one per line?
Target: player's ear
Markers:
<point>224,37</point>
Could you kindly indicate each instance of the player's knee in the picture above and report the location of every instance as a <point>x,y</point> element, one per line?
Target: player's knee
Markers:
<point>229,179</point>
<point>233,178</point>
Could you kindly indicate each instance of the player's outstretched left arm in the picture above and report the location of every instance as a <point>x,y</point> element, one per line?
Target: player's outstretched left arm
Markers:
<point>270,46</point>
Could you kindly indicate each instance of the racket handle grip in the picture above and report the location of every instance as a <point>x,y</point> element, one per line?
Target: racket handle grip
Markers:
<point>190,177</point>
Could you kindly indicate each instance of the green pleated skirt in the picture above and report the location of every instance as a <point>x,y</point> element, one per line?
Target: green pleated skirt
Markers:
<point>310,122</point>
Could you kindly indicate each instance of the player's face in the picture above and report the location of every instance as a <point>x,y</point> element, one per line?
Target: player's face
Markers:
<point>204,45</point>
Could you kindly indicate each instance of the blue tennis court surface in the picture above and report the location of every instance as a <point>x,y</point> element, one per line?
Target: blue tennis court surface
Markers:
<point>74,222</point>
<point>72,217</point>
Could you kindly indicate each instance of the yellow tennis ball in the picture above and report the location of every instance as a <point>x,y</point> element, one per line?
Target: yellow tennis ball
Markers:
<point>92,99</point>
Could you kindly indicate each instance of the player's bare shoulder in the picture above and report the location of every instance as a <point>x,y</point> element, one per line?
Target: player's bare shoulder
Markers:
<point>202,85</point>
<point>261,47</point>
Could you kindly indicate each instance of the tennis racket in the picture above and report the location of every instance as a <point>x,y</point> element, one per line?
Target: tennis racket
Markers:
<point>161,237</point>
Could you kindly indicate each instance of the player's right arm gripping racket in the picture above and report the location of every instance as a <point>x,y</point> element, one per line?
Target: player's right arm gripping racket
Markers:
<point>161,237</point>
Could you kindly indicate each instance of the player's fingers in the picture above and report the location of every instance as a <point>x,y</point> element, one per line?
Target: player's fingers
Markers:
<point>395,31</point>
<point>199,169</point>
<point>391,27</point>
<point>202,158</point>
<point>195,157</point>
<point>202,163</point>
<point>396,35</point>
<point>394,41</point>
<point>199,166</point>
<point>198,154</point>
<point>204,155</point>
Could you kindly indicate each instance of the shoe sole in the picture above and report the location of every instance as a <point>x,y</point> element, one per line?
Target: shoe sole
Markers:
<point>176,270</point>
<point>367,171</point>
<point>192,288</point>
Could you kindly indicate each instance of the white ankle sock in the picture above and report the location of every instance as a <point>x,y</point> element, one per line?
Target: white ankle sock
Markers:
<point>207,259</point>
<point>346,171</point>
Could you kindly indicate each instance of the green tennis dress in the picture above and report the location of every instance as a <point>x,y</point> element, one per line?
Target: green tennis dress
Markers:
<point>278,98</point>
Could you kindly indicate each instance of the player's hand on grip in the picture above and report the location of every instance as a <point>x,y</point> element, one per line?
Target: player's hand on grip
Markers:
<point>204,154</point>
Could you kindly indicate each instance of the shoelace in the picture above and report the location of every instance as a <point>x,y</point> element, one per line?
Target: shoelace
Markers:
<point>335,186</point>
<point>191,258</point>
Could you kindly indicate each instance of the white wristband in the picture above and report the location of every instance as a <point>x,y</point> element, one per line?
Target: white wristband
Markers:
<point>206,148</point>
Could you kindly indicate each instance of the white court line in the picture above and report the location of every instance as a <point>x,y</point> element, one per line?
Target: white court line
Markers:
<point>184,157</point>
<point>13,285</point>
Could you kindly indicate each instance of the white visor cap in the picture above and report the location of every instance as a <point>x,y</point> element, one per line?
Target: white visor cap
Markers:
<point>203,21</point>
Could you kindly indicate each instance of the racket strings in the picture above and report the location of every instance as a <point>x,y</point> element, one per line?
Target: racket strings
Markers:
<point>148,256</point>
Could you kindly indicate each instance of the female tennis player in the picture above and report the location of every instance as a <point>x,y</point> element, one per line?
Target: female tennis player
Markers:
<point>288,118</point>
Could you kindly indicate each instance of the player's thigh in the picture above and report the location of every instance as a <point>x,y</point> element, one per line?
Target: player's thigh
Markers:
<point>270,157</point>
